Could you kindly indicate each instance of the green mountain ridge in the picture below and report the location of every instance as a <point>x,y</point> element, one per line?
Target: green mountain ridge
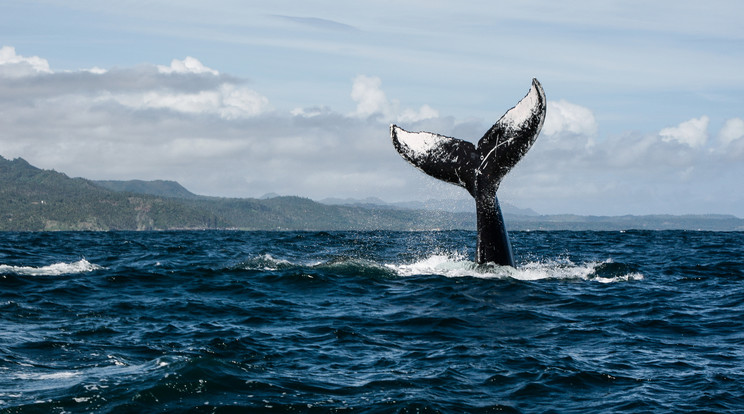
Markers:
<point>32,199</point>
<point>160,188</point>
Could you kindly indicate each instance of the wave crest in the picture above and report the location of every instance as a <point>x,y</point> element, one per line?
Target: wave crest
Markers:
<point>56,269</point>
<point>265,262</point>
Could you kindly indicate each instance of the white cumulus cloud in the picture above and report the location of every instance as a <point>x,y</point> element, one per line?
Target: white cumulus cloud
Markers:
<point>732,130</point>
<point>188,65</point>
<point>227,101</point>
<point>369,97</point>
<point>568,127</point>
<point>564,116</point>
<point>371,100</point>
<point>187,86</point>
<point>731,139</point>
<point>14,65</point>
<point>693,133</point>
<point>413,115</point>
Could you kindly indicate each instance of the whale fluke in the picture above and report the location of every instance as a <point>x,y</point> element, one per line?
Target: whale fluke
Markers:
<point>480,169</point>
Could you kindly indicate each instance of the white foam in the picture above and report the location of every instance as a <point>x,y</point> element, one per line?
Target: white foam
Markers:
<point>47,377</point>
<point>447,264</point>
<point>623,278</point>
<point>458,265</point>
<point>555,269</point>
<point>266,262</point>
<point>45,380</point>
<point>56,269</point>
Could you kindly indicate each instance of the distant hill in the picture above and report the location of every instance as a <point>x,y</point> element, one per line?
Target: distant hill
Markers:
<point>161,188</point>
<point>32,199</point>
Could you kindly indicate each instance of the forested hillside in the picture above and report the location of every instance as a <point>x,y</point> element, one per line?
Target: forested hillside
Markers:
<point>32,199</point>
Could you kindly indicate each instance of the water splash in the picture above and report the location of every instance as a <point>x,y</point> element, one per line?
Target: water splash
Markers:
<point>458,265</point>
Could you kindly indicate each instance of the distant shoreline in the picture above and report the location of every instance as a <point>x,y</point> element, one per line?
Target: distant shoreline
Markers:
<point>32,199</point>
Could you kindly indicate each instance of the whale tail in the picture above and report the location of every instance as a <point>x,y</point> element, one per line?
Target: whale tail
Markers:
<point>480,169</point>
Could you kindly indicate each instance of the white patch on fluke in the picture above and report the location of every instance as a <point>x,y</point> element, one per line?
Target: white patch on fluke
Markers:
<point>523,111</point>
<point>419,143</point>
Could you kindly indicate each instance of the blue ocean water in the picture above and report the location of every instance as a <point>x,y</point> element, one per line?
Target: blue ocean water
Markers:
<point>370,322</point>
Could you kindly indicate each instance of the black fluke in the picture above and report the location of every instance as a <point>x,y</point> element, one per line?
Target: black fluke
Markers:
<point>480,169</point>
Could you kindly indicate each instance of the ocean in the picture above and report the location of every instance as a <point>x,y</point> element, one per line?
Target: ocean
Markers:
<point>370,322</point>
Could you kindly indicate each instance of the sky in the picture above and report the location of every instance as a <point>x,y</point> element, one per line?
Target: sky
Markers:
<point>243,98</point>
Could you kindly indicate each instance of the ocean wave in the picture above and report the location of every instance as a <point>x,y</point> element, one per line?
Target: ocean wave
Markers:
<point>82,384</point>
<point>265,262</point>
<point>354,267</point>
<point>337,265</point>
<point>56,269</point>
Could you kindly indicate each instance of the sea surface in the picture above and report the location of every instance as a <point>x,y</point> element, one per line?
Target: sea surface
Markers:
<point>370,322</point>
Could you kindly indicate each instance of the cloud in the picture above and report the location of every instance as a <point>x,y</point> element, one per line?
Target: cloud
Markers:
<point>188,65</point>
<point>733,130</point>
<point>565,117</point>
<point>693,133</point>
<point>186,86</point>
<point>318,23</point>
<point>13,65</point>
<point>633,172</point>
<point>731,139</point>
<point>227,101</point>
<point>569,127</point>
<point>412,115</point>
<point>190,123</point>
<point>370,99</point>
<point>209,131</point>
